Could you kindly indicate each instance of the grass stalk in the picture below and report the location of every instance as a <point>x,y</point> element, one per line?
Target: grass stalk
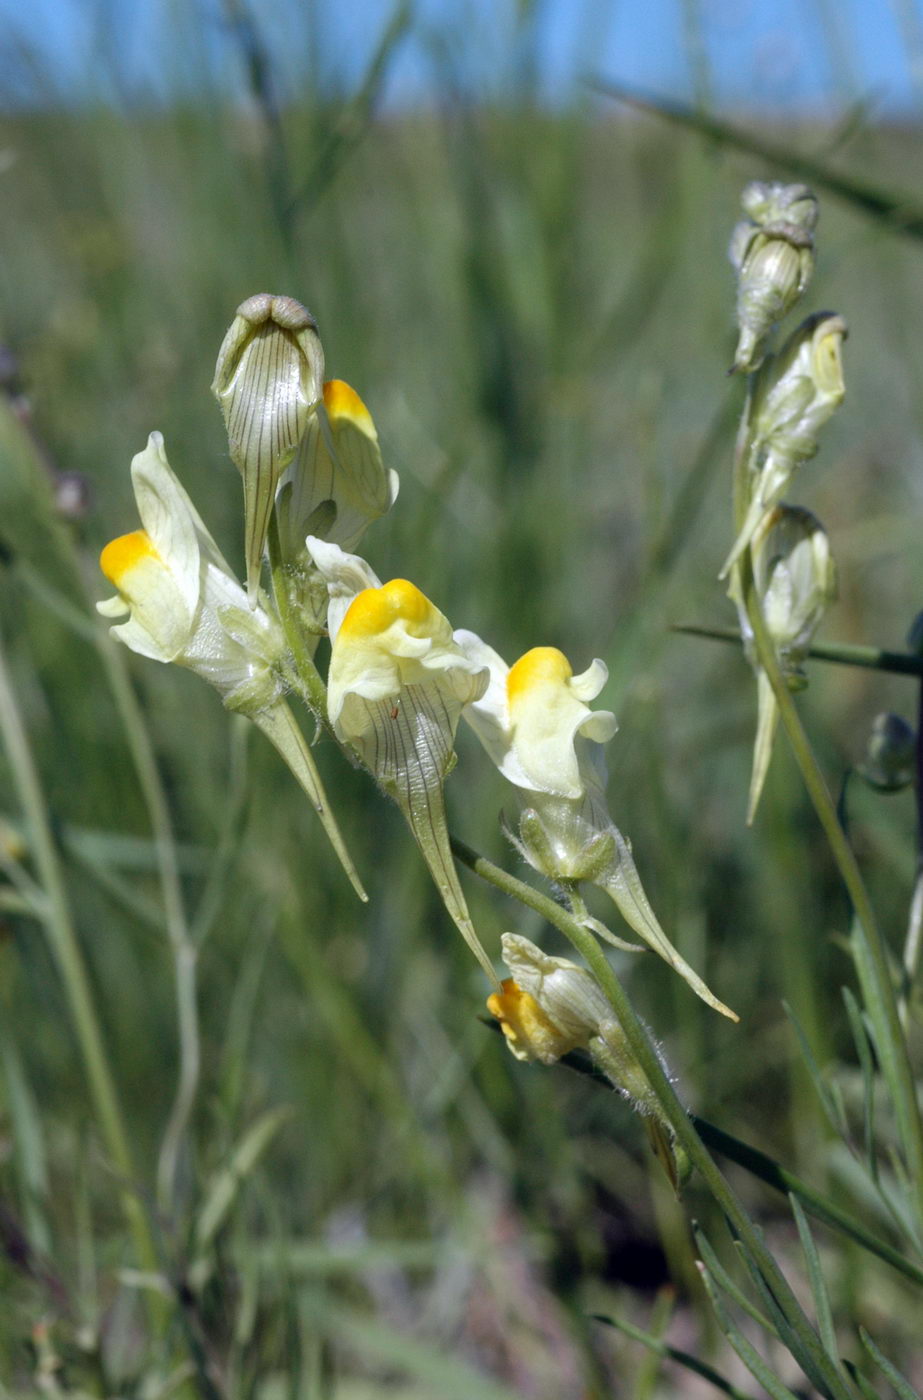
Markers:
<point>898,663</point>
<point>62,937</point>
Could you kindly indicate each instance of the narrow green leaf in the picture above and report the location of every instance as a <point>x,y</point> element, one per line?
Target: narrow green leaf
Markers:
<point>669,1353</point>
<point>862,1384</point>
<point>861,1038</point>
<point>831,1107</point>
<point>748,1354</point>
<point>724,1281</point>
<point>767,1170</point>
<point>816,1281</point>
<point>899,663</point>
<point>430,1364</point>
<point>900,1382</point>
<point>228,1181</point>
<point>796,1331</point>
<point>650,1368</point>
<point>28,1142</point>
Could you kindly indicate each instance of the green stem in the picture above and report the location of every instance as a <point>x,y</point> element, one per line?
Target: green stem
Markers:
<point>840,653</point>
<point>62,937</point>
<point>872,966</point>
<point>313,690</point>
<point>674,1112</point>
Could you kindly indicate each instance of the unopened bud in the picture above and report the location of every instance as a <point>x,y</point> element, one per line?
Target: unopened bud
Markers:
<point>795,577</point>
<point>801,388</point>
<point>773,252</point>
<point>890,757</point>
<point>268,381</point>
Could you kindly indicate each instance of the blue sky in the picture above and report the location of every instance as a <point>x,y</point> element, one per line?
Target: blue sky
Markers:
<point>761,53</point>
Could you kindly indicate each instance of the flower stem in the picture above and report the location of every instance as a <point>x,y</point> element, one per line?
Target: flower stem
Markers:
<point>313,690</point>
<point>809,1348</point>
<point>871,954</point>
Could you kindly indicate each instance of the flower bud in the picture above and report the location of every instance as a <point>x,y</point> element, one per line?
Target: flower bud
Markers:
<point>795,579</point>
<point>795,394</point>
<point>773,252</point>
<point>268,381</point>
<point>890,757</point>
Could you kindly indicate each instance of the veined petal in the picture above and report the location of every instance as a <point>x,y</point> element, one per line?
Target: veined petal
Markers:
<point>547,714</point>
<point>339,465</point>
<point>268,381</point>
<point>168,516</point>
<point>396,688</point>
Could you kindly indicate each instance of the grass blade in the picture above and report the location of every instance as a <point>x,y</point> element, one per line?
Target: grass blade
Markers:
<point>891,208</point>
<point>748,1354</point>
<point>816,1281</point>
<point>900,1382</point>
<point>861,1036</point>
<point>669,1353</point>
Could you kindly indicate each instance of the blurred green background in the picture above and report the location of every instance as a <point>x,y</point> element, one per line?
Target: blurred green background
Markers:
<point>534,300</point>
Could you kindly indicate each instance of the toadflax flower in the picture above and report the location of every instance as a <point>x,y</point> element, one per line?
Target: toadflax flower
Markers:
<point>535,723</point>
<point>268,382</point>
<point>794,578</point>
<point>551,1006</point>
<point>395,691</point>
<point>184,605</point>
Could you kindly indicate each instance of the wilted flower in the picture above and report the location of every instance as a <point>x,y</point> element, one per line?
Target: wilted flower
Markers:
<point>184,605</point>
<point>794,578</point>
<point>795,394</point>
<point>268,381</point>
<point>773,252</point>
<point>396,688</point>
<point>551,1006</point>
<point>535,724</point>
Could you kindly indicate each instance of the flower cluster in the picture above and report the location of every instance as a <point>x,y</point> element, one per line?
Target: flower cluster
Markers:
<point>781,549</point>
<point>399,680</point>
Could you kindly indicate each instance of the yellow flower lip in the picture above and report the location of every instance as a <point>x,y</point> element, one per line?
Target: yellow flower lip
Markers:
<point>122,554</point>
<point>540,666</point>
<point>531,1034</point>
<point>374,610</point>
<point>342,402</point>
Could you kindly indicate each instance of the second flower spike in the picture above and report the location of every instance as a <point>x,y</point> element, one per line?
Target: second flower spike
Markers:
<point>268,380</point>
